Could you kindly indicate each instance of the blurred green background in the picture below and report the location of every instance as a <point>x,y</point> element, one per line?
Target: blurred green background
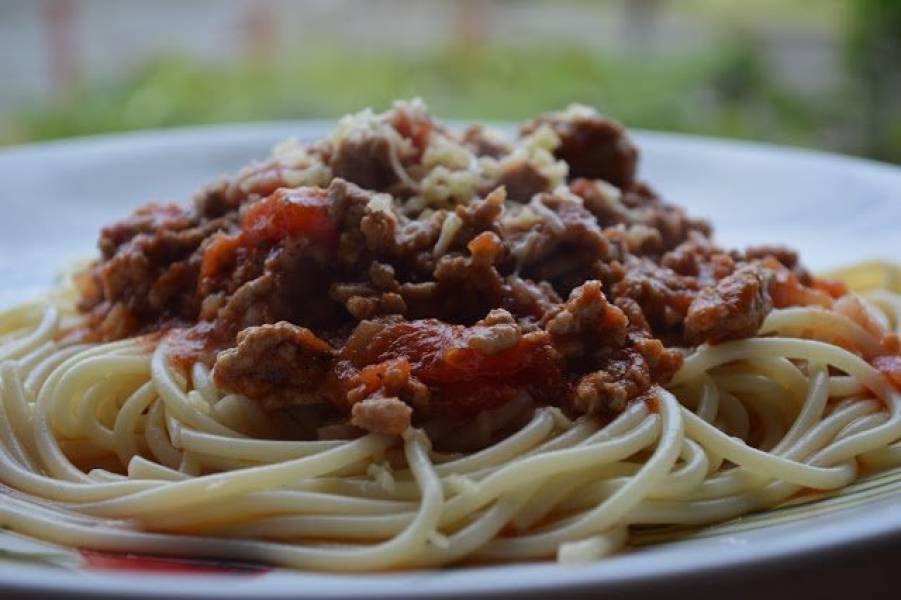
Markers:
<point>814,73</point>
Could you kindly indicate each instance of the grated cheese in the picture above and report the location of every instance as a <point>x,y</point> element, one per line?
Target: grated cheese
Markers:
<point>450,227</point>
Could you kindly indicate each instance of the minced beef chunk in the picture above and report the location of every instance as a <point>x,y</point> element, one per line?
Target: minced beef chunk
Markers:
<point>663,295</point>
<point>381,415</point>
<point>365,162</point>
<point>335,284</point>
<point>587,321</point>
<point>733,308</point>
<point>480,141</point>
<point>600,340</point>
<point>279,364</point>
<point>592,146</point>
<point>786,256</point>
<point>149,272</point>
<point>638,207</point>
<point>522,180</point>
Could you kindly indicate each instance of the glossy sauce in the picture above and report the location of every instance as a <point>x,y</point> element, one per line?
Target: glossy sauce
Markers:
<point>436,353</point>
<point>286,213</point>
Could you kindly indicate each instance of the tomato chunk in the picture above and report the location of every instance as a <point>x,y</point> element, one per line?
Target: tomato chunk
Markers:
<point>464,379</point>
<point>284,214</point>
<point>787,290</point>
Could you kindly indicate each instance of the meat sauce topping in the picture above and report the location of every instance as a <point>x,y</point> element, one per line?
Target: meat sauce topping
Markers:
<point>398,272</point>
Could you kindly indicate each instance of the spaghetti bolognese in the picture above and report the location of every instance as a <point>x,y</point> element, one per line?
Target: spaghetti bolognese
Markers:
<point>406,346</point>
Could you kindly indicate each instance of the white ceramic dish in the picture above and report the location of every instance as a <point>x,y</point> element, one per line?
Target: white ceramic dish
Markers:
<point>835,210</point>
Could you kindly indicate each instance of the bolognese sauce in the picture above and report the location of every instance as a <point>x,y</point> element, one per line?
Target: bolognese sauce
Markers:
<point>397,271</point>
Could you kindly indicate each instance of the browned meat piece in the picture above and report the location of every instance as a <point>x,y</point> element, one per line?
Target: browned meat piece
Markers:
<point>604,202</point>
<point>480,216</point>
<point>674,224</point>
<point>150,270</point>
<point>216,200</point>
<point>633,312</point>
<point>587,321</point>
<point>366,162</point>
<point>625,376</point>
<point>620,362</point>
<point>292,284</point>
<point>609,390</point>
<point>638,206</point>
<point>700,259</point>
<point>528,299</point>
<point>663,295</point>
<point>495,333</point>
<point>522,180</point>
<point>366,307</point>
<point>562,247</point>
<point>362,230</point>
<point>381,415</point>
<point>663,362</point>
<point>277,365</point>
<point>594,147</point>
<point>483,144</point>
<point>787,256</point>
<point>467,286</point>
<point>377,297</point>
<point>147,220</point>
<point>255,303</point>
<point>734,308</point>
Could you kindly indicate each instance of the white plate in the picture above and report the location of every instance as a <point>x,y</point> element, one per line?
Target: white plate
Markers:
<point>836,210</point>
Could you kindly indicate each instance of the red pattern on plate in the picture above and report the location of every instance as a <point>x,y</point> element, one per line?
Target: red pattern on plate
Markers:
<point>109,561</point>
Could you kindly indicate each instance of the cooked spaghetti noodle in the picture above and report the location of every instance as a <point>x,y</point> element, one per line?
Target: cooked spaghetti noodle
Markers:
<point>126,445</point>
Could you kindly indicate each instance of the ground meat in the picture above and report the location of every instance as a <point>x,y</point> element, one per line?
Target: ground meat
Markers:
<point>700,259</point>
<point>733,308</point>
<point>609,390</point>
<point>597,338</point>
<point>278,365</point>
<point>638,207</point>
<point>495,333</point>
<point>529,300</point>
<point>626,375</point>
<point>480,216</point>
<point>381,415</point>
<point>562,246</point>
<point>592,146</point>
<point>663,295</point>
<point>467,286</point>
<point>786,256</point>
<point>292,286</point>
<point>586,322</point>
<point>380,296</point>
<point>359,304</point>
<point>365,162</point>
<point>522,180</point>
<point>147,220</point>
<point>149,276</point>
<point>482,143</point>
<point>216,200</point>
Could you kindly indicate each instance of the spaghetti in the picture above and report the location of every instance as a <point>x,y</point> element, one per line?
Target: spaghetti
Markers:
<point>116,437</point>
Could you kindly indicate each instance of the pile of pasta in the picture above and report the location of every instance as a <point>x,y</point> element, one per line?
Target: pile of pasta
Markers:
<point>111,447</point>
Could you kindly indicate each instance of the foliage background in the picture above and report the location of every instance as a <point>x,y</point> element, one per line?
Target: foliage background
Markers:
<point>816,73</point>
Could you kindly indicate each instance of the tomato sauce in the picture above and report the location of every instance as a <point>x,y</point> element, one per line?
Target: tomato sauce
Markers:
<point>286,213</point>
<point>437,354</point>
